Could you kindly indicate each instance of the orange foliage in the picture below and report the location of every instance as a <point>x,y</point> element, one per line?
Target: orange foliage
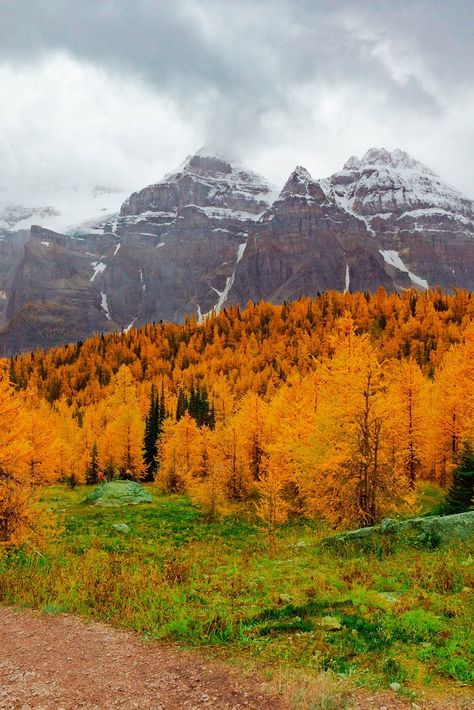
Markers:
<point>332,406</point>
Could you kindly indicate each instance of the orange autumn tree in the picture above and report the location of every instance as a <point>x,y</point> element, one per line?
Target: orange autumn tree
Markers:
<point>407,405</point>
<point>350,477</point>
<point>40,440</point>
<point>292,422</point>
<point>180,455</point>
<point>272,507</point>
<point>70,461</point>
<point>452,420</point>
<point>207,486</point>
<point>120,446</point>
<point>19,519</point>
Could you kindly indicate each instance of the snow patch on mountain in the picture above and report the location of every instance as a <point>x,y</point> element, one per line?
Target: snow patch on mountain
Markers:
<point>98,267</point>
<point>104,305</point>
<point>393,258</point>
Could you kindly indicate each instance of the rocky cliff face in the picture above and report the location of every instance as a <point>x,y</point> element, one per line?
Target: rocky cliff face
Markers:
<point>305,244</point>
<point>424,227</point>
<point>11,253</point>
<point>214,233</point>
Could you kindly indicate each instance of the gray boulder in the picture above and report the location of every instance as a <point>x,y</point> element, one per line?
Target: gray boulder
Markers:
<point>439,529</point>
<point>117,493</point>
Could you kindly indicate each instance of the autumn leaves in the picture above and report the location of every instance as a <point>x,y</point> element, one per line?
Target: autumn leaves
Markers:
<point>334,407</point>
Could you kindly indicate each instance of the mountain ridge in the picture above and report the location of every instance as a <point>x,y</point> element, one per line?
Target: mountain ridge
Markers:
<point>213,232</point>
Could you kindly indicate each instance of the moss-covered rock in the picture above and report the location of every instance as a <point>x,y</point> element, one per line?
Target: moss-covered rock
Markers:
<point>434,530</point>
<point>117,493</point>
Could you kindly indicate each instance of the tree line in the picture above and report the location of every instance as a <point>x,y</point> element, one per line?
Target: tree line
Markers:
<point>332,407</point>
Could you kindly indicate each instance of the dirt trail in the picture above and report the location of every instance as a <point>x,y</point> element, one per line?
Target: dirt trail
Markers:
<point>64,663</point>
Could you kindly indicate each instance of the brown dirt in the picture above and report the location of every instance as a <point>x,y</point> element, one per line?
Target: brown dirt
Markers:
<point>64,663</point>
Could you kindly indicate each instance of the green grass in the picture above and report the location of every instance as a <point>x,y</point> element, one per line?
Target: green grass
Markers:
<point>406,614</point>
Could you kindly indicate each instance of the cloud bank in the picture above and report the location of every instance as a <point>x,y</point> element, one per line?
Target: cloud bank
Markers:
<point>120,92</point>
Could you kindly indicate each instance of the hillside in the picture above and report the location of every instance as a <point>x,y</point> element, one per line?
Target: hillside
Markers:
<point>278,392</point>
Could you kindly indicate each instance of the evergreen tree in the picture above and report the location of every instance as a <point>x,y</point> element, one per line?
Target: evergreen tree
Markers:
<point>182,406</point>
<point>92,472</point>
<point>153,431</point>
<point>199,409</point>
<point>152,424</point>
<point>460,495</point>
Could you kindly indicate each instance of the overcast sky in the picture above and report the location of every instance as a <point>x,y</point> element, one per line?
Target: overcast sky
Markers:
<point>120,91</point>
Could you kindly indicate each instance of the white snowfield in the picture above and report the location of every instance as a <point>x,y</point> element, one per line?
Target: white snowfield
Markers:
<point>382,181</point>
<point>393,258</point>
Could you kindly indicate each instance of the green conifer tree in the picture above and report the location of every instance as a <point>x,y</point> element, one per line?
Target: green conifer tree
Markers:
<point>92,473</point>
<point>460,495</point>
<point>150,442</point>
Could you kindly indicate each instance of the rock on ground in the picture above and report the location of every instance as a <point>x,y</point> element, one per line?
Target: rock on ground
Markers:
<point>117,493</point>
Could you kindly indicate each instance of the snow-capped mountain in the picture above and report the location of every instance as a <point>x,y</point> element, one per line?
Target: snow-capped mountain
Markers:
<point>424,227</point>
<point>213,232</point>
<point>381,183</point>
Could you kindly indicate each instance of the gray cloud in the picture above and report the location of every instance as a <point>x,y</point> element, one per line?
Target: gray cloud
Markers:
<point>260,76</point>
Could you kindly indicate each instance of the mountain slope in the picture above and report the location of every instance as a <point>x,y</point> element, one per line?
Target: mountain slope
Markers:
<point>424,227</point>
<point>213,233</point>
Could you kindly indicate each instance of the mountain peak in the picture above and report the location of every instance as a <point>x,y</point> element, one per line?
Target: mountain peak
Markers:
<point>302,183</point>
<point>213,151</point>
<point>382,158</point>
<point>205,179</point>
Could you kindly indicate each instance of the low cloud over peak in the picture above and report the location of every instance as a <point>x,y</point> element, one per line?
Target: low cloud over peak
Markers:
<point>95,89</point>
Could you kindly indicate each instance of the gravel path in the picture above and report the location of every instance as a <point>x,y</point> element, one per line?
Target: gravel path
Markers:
<point>63,663</point>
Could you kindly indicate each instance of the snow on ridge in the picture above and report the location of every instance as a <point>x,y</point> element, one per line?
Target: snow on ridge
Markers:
<point>439,211</point>
<point>241,180</point>
<point>376,190</point>
<point>344,202</point>
<point>380,157</point>
<point>227,213</point>
<point>393,258</point>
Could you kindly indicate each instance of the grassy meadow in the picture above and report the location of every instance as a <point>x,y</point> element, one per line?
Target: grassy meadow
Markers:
<point>396,612</point>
